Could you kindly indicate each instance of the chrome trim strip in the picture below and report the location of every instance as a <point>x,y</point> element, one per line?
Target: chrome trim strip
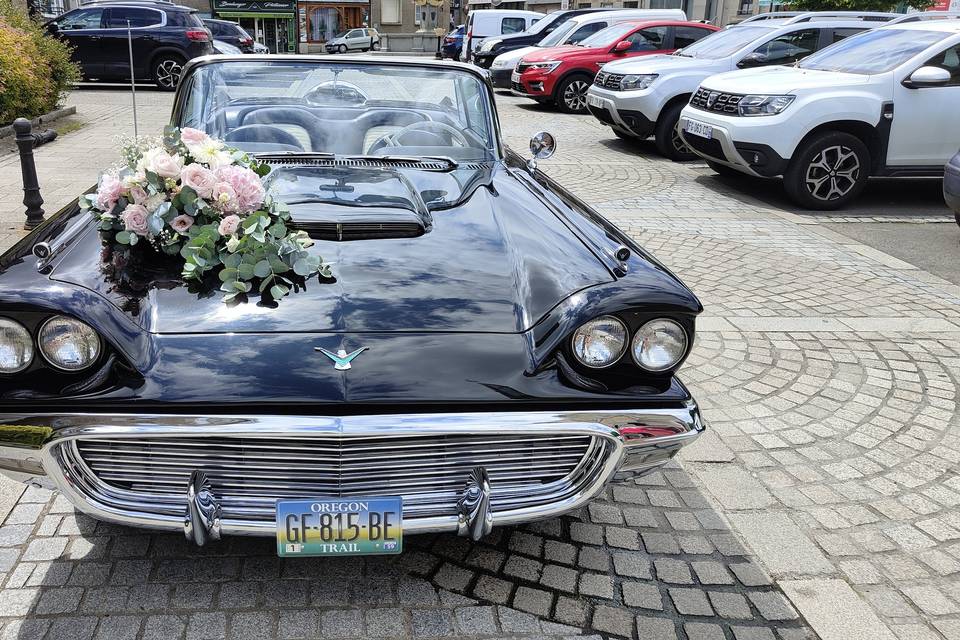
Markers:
<point>650,437</point>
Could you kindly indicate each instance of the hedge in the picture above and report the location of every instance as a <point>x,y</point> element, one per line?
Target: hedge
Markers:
<point>35,68</point>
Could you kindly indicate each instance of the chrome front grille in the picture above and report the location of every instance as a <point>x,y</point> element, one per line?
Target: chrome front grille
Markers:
<point>608,80</point>
<point>248,474</point>
<point>716,101</point>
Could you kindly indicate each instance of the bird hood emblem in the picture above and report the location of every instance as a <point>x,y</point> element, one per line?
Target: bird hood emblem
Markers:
<point>341,359</point>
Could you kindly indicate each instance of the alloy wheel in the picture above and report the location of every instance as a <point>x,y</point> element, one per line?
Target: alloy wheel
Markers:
<point>677,141</point>
<point>833,173</point>
<point>575,95</point>
<point>168,73</point>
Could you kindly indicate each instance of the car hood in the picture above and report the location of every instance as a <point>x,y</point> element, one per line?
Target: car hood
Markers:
<point>661,64</point>
<point>491,259</point>
<point>780,80</point>
<point>511,58</point>
<point>556,53</point>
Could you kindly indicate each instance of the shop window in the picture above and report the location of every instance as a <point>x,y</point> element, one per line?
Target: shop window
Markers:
<point>390,11</point>
<point>667,4</point>
<point>631,4</point>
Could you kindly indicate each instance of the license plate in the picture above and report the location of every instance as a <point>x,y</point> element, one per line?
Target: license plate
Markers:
<point>698,129</point>
<point>594,101</point>
<point>340,526</point>
<point>515,77</point>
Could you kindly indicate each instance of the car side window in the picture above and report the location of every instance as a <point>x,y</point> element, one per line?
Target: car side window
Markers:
<point>950,61</point>
<point>840,34</point>
<point>686,36</point>
<point>789,47</point>
<point>650,39</point>
<point>585,31</point>
<point>117,17</point>
<point>83,19</point>
<point>513,25</point>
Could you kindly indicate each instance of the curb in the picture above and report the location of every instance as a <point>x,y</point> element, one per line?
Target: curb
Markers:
<point>56,114</point>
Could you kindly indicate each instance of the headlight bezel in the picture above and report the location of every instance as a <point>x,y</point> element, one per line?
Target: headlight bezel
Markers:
<point>639,334</point>
<point>49,360</point>
<point>545,67</point>
<point>18,326</point>
<point>639,82</point>
<point>766,104</point>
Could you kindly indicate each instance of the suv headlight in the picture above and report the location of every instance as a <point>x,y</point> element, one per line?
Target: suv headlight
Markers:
<point>68,344</point>
<point>763,105</point>
<point>546,67</point>
<point>637,81</point>
<point>659,345</point>
<point>500,64</point>
<point>16,347</point>
<point>600,342</point>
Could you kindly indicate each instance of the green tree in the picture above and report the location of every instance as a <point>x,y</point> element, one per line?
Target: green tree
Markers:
<point>857,5</point>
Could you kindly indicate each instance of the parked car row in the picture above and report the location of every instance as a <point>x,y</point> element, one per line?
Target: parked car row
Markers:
<point>865,93</point>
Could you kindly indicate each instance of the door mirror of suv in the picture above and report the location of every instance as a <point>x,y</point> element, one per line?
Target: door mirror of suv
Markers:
<point>622,47</point>
<point>752,60</point>
<point>927,77</point>
<point>53,27</point>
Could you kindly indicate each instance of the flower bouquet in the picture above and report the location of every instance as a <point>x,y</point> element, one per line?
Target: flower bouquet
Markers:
<point>190,195</point>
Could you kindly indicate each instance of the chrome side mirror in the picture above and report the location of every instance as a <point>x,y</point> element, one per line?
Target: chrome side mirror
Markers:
<point>542,146</point>
<point>927,77</point>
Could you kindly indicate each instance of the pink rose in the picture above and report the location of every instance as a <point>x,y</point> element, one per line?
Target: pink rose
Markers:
<point>246,185</point>
<point>108,192</point>
<point>135,219</point>
<point>167,166</point>
<point>181,223</point>
<point>200,179</point>
<point>138,194</point>
<point>193,136</point>
<point>229,225</point>
<point>224,197</point>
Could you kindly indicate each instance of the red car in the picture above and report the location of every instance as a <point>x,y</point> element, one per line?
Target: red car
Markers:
<point>562,75</point>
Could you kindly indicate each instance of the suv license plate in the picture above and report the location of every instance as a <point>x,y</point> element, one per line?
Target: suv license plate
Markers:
<point>594,101</point>
<point>515,77</point>
<point>698,129</point>
<point>340,526</point>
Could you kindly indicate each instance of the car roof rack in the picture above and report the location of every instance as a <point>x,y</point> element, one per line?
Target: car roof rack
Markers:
<point>772,15</point>
<point>87,3</point>
<point>918,16</point>
<point>877,16</point>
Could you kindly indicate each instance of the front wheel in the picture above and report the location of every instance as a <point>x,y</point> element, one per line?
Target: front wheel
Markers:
<point>667,135</point>
<point>828,171</point>
<point>571,95</point>
<point>167,71</point>
<point>376,46</point>
<point>342,48</point>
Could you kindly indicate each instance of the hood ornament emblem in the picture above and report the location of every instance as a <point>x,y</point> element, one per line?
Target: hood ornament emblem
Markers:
<point>341,359</point>
<point>712,99</point>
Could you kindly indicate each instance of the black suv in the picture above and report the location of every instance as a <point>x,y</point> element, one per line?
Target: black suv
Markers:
<point>164,37</point>
<point>540,30</point>
<point>231,33</point>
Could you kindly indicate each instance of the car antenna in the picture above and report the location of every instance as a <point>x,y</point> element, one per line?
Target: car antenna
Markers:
<point>133,84</point>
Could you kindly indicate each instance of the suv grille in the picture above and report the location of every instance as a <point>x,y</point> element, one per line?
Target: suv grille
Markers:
<point>708,100</point>
<point>608,80</point>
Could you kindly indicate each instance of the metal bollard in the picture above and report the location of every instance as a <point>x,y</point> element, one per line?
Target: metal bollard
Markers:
<point>31,186</point>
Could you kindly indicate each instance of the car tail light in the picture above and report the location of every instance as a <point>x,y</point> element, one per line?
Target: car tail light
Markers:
<point>448,40</point>
<point>246,41</point>
<point>198,35</point>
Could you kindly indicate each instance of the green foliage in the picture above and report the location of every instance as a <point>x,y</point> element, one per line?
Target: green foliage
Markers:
<point>35,68</point>
<point>857,5</point>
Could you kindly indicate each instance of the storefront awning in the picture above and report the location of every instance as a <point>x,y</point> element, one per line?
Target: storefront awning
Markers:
<point>252,14</point>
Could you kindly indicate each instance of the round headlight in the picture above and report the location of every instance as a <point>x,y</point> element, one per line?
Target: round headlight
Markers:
<point>16,347</point>
<point>659,345</point>
<point>68,344</point>
<point>600,342</point>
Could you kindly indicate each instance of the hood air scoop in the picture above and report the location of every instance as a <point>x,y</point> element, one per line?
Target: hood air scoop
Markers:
<point>351,203</point>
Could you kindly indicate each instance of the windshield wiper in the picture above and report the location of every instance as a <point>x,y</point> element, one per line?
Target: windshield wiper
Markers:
<point>283,155</point>
<point>449,163</point>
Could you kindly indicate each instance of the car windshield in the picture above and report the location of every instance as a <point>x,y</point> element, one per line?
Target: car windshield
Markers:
<point>876,51</point>
<point>341,34</point>
<point>606,37</point>
<point>724,43</point>
<point>558,35</point>
<point>342,108</point>
<point>540,25</point>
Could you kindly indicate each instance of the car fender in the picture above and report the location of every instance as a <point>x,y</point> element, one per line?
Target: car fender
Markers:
<point>159,51</point>
<point>816,112</point>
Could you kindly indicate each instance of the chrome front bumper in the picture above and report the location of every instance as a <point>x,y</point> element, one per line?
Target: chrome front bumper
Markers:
<point>46,450</point>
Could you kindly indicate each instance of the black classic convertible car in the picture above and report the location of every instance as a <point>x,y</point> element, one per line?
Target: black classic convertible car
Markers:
<point>487,350</point>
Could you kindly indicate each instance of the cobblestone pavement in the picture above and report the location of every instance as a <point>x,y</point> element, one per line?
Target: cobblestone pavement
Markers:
<point>824,501</point>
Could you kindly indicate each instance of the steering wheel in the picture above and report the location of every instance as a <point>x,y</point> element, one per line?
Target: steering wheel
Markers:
<point>444,134</point>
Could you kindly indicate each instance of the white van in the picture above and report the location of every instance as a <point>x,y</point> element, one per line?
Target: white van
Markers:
<point>486,23</point>
<point>573,31</point>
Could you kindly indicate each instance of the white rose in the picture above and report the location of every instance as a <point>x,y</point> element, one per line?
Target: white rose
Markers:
<point>153,202</point>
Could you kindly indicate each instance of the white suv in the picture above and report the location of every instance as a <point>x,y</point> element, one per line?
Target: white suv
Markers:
<point>882,103</point>
<point>643,97</point>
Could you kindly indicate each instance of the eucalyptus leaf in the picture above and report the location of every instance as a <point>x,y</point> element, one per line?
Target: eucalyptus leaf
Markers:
<point>278,291</point>
<point>245,271</point>
<point>123,237</point>
<point>262,269</point>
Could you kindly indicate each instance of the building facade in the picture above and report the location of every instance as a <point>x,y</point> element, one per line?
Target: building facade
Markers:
<point>412,25</point>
